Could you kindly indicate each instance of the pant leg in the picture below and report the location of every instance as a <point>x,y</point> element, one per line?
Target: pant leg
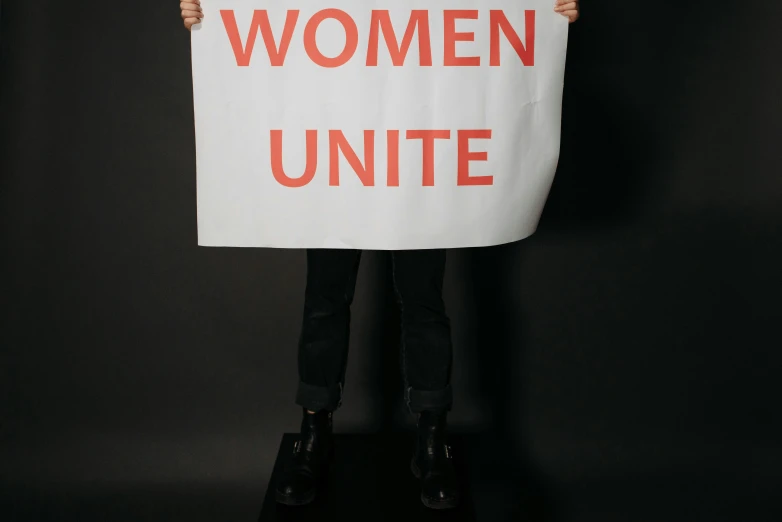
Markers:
<point>323,344</point>
<point>426,350</point>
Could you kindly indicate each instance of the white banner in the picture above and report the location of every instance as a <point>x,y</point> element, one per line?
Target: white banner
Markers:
<point>375,124</point>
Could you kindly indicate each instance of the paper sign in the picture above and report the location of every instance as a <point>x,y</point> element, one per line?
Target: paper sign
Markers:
<point>374,124</point>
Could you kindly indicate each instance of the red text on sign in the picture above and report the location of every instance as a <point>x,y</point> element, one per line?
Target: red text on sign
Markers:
<point>380,22</point>
<point>364,168</point>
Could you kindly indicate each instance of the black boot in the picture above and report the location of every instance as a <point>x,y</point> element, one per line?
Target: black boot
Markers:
<point>307,468</point>
<point>433,463</point>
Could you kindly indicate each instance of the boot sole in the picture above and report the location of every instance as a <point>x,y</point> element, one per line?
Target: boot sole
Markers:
<point>430,502</point>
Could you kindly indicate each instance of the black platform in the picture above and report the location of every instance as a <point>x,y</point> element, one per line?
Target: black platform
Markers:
<point>370,480</point>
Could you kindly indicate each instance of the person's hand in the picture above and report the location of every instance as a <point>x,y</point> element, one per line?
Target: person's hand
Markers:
<point>191,12</point>
<point>568,8</point>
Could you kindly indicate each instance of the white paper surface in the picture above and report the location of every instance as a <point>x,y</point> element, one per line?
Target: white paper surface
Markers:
<point>238,108</point>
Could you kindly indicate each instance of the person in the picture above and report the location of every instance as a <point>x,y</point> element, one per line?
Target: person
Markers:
<point>425,353</point>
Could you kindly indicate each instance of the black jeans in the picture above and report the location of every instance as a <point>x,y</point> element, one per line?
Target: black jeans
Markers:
<point>425,351</point>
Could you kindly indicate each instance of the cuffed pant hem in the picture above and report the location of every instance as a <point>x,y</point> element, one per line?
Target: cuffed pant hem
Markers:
<point>429,400</point>
<point>316,398</point>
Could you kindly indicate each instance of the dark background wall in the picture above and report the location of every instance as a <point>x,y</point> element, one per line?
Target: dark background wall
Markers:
<point>627,355</point>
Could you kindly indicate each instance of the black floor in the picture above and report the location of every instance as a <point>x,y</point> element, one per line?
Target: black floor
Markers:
<point>370,480</point>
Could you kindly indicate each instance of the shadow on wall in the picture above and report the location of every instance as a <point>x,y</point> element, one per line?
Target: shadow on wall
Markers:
<point>601,178</point>
<point>601,182</point>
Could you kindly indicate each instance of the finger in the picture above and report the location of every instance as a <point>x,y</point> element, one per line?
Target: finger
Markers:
<point>190,7</point>
<point>562,2</point>
<point>189,22</point>
<point>572,15</point>
<point>192,14</point>
<point>569,6</point>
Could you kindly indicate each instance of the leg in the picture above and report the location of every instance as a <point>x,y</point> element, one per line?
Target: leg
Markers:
<point>426,353</point>
<point>323,350</point>
<point>426,349</point>
<point>323,344</point>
